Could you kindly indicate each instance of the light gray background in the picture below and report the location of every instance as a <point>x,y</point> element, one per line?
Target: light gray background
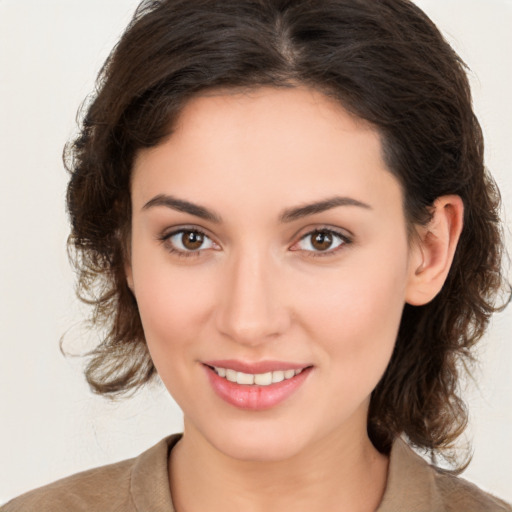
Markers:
<point>50,424</point>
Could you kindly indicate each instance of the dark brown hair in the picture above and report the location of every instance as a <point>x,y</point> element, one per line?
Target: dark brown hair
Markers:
<point>384,61</point>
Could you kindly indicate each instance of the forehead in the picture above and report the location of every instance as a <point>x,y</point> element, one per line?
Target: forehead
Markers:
<point>292,112</point>
<point>265,146</point>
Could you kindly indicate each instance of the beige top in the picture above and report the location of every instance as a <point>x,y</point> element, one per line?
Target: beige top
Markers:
<point>142,485</point>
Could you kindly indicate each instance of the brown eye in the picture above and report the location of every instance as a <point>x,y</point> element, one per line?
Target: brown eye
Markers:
<point>192,240</point>
<point>187,242</point>
<point>321,240</point>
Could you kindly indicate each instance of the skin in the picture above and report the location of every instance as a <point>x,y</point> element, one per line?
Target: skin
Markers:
<point>257,292</point>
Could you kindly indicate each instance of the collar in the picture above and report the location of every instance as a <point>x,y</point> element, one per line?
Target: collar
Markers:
<point>149,484</point>
<point>410,485</point>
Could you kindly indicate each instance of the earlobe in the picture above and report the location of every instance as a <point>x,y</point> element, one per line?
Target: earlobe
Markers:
<point>129,275</point>
<point>128,271</point>
<point>433,250</point>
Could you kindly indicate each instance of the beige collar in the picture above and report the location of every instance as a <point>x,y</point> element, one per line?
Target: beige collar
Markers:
<point>410,487</point>
<point>411,483</point>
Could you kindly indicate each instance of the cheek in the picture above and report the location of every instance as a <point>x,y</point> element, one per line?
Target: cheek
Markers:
<point>355,315</point>
<point>170,299</point>
<point>172,315</point>
<point>170,305</point>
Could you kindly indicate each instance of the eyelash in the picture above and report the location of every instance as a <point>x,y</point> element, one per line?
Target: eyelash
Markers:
<point>345,240</point>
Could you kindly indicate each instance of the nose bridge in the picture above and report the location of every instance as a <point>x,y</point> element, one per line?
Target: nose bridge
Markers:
<point>250,309</point>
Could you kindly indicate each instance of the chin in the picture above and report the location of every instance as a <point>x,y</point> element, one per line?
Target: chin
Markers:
<point>260,447</point>
<point>261,437</point>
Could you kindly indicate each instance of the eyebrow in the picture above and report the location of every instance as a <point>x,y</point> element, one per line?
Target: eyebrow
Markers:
<point>287,215</point>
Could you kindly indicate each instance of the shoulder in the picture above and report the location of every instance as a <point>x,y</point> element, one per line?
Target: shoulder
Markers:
<point>106,486</point>
<point>415,485</point>
<point>121,486</point>
<point>459,494</point>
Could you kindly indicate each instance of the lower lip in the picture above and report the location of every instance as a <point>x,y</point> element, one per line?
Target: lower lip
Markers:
<point>253,397</point>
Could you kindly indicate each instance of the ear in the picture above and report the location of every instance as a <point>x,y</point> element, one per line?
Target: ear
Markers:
<point>433,250</point>
<point>127,256</point>
<point>129,274</point>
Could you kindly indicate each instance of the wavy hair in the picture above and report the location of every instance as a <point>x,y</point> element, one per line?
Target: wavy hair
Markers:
<point>384,61</point>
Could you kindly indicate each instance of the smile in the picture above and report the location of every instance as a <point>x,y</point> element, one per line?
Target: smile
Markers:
<point>266,388</point>
<point>258,379</point>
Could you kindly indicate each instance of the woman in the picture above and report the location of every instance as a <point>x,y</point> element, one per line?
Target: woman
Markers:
<point>281,208</point>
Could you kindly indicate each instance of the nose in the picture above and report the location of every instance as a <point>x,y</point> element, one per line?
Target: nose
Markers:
<point>251,307</point>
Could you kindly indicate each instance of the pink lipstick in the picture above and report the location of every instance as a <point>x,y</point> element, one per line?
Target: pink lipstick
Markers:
<point>255,386</point>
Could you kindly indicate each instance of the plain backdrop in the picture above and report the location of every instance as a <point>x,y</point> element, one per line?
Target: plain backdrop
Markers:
<point>50,423</point>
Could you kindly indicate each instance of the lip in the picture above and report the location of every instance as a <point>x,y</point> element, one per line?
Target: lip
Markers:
<point>256,367</point>
<point>254,397</point>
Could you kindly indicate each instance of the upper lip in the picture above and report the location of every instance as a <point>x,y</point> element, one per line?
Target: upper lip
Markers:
<point>255,367</point>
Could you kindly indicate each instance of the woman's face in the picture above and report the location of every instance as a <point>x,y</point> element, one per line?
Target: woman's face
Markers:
<point>233,268</point>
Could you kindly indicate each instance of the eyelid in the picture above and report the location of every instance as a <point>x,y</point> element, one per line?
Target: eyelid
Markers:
<point>166,236</point>
<point>345,238</point>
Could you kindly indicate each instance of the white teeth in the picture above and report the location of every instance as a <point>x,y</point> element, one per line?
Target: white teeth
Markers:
<point>231,375</point>
<point>277,376</point>
<point>244,378</point>
<point>263,379</point>
<point>259,379</point>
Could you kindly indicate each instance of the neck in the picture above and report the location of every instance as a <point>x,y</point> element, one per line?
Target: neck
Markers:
<point>336,473</point>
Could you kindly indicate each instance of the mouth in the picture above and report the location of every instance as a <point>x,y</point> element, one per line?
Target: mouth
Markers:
<point>255,379</point>
<point>266,386</point>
